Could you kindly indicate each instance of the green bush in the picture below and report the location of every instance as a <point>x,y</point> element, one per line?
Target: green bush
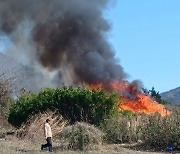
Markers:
<point>80,136</point>
<point>76,104</point>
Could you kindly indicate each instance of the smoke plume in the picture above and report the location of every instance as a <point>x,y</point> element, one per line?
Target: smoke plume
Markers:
<point>64,40</point>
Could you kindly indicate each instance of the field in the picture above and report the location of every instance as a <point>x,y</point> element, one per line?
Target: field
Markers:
<point>10,144</point>
<point>87,129</point>
<point>13,145</point>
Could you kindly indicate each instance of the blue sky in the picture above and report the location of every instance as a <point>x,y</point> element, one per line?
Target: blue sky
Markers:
<point>146,37</point>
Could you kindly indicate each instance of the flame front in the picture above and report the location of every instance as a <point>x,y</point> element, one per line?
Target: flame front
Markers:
<point>144,104</point>
<point>133,99</point>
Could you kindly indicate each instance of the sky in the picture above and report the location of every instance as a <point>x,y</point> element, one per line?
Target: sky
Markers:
<point>146,38</point>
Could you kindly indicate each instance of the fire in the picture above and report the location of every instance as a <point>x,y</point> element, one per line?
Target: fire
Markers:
<point>144,104</point>
<point>96,86</point>
<point>133,99</point>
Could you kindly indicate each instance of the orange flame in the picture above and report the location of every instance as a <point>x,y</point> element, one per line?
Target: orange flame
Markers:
<point>133,99</point>
<point>96,86</point>
<point>144,104</point>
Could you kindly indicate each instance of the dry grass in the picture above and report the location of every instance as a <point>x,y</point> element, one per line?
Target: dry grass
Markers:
<point>153,130</point>
<point>16,146</point>
<point>30,144</point>
<point>33,129</point>
<point>162,132</point>
<point>81,136</point>
<point>121,129</point>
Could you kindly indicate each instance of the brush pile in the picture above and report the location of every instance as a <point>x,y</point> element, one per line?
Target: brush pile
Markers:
<point>33,129</point>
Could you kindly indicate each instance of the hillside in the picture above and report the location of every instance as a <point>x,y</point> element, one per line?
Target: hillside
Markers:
<point>173,96</point>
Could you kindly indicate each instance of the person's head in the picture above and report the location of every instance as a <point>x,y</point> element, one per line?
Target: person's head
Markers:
<point>48,121</point>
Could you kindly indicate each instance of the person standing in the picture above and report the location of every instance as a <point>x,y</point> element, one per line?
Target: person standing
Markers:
<point>48,135</point>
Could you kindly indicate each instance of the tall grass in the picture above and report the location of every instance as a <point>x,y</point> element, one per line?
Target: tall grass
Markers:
<point>120,129</point>
<point>160,131</point>
<point>152,130</point>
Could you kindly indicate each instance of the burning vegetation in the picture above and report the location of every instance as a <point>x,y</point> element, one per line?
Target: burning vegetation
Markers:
<point>133,99</point>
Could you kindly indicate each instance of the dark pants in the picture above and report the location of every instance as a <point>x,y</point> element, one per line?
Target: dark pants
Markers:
<point>48,144</point>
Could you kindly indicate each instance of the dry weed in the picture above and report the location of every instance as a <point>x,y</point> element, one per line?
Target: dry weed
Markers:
<point>81,136</point>
<point>33,129</point>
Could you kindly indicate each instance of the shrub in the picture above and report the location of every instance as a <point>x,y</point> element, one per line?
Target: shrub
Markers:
<point>120,128</point>
<point>161,132</point>
<point>80,136</point>
<point>76,104</point>
<point>153,130</point>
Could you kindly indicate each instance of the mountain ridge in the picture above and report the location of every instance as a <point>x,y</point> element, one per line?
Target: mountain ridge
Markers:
<point>172,96</point>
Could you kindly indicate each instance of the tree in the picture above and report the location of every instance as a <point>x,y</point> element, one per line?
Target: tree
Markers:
<point>155,95</point>
<point>76,104</point>
<point>8,78</point>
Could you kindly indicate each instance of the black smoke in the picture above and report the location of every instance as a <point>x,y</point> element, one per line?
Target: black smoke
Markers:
<point>67,35</point>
